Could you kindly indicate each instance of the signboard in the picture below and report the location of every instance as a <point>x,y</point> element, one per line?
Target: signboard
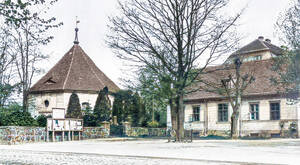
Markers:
<point>64,124</point>
<point>58,113</point>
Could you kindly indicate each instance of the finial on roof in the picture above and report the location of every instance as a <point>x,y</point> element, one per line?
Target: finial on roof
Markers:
<point>76,32</point>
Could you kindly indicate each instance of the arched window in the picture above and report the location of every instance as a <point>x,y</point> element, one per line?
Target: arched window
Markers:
<point>46,103</point>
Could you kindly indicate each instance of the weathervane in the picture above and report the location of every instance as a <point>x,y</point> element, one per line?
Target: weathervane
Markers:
<point>76,32</point>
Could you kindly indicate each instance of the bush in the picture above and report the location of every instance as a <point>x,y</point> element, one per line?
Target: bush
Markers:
<point>89,120</point>
<point>153,124</point>
<point>19,119</point>
<point>74,108</point>
<point>42,121</point>
<point>116,130</point>
<point>102,107</point>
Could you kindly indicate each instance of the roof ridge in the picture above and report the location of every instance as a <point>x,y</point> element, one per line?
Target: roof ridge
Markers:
<point>85,58</point>
<point>243,47</point>
<point>262,42</point>
<point>68,74</point>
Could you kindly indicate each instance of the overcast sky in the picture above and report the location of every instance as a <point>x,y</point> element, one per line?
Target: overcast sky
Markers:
<point>257,20</point>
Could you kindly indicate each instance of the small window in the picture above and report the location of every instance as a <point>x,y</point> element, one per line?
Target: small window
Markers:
<point>46,103</point>
<point>222,112</point>
<point>254,111</point>
<point>275,111</point>
<point>196,113</point>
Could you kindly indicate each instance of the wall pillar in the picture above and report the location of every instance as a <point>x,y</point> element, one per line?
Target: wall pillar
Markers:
<point>69,135</point>
<point>106,124</point>
<point>53,136</point>
<point>126,126</point>
<point>298,118</point>
<point>47,136</point>
<point>115,120</point>
<point>63,135</point>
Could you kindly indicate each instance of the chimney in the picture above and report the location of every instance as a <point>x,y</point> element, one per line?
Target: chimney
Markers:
<point>261,38</point>
<point>268,40</point>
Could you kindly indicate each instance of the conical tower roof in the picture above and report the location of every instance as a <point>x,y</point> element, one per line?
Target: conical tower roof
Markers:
<point>74,72</point>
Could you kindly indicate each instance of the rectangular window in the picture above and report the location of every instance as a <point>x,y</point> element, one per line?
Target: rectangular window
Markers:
<point>196,113</point>
<point>222,112</point>
<point>275,111</point>
<point>258,57</point>
<point>254,111</point>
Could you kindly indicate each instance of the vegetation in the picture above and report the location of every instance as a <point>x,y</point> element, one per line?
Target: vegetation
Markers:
<point>14,116</point>
<point>74,108</point>
<point>288,65</point>
<point>128,106</point>
<point>170,38</point>
<point>42,121</point>
<point>22,36</point>
<point>102,109</point>
<point>153,124</point>
<point>232,87</point>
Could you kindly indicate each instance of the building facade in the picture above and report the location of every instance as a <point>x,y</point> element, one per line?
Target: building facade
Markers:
<point>75,72</point>
<point>265,109</point>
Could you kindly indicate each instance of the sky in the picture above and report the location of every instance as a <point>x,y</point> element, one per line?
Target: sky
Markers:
<point>258,19</point>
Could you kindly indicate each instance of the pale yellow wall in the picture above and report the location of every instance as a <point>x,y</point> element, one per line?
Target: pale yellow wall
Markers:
<point>264,55</point>
<point>287,112</point>
<point>58,100</point>
<point>199,125</point>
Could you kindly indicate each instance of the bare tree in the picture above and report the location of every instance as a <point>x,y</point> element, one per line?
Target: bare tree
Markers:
<point>172,35</point>
<point>7,85</point>
<point>288,25</point>
<point>229,82</point>
<point>288,65</point>
<point>29,36</point>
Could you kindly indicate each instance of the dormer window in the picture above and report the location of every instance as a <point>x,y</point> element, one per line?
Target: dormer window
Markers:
<point>50,81</point>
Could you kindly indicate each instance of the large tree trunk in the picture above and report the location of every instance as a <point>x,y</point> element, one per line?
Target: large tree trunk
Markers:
<point>173,111</point>
<point>235,123</point>
<point>180,117</point>
<point>25,101</point>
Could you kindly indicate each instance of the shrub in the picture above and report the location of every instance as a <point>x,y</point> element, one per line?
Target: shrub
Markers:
<point>102,107</point>
<point>42,121</point>
<point>74,108</point>
<point>153,124</point>
<point>19,119</point>
<point>89,120</point>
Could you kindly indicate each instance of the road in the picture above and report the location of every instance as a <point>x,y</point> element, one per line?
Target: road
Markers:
<point>112,151</point>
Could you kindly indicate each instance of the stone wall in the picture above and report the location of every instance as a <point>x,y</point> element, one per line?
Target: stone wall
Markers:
<point>144,132</point>
<point>19,135</point>
<point>95,132</point>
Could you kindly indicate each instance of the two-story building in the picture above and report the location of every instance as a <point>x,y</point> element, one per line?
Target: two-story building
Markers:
<point>265,110</point>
